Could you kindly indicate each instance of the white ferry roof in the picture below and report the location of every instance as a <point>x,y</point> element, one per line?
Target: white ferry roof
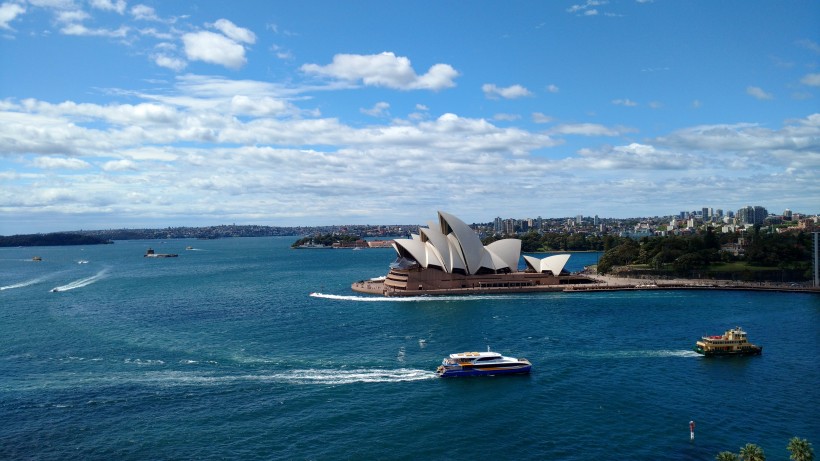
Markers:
<point>475,355</point>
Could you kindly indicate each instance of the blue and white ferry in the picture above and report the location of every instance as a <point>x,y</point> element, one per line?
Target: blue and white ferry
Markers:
<point>481,363</point>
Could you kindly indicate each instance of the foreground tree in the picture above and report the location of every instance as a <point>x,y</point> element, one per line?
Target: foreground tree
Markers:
<point>726,456</point>
<point>752,452</point>
<point>800,450</point>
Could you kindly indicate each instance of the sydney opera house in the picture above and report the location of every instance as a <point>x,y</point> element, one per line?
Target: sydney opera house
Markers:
<point>448,258</point>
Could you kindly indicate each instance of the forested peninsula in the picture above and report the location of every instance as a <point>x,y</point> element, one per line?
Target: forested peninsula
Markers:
<point>54,239</point>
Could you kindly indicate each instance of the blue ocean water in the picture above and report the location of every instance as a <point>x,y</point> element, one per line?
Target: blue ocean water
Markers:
<point>246,349</point>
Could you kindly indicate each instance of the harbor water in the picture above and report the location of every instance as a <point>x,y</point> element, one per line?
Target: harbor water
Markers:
<point>246,349</point>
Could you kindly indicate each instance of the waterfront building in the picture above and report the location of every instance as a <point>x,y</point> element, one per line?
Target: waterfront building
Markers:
<point>448,257</point>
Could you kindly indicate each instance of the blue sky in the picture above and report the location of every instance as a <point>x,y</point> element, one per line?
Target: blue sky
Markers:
<point>116,113</point>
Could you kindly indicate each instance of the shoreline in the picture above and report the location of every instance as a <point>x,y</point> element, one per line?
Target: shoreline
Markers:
<point>601,283</point>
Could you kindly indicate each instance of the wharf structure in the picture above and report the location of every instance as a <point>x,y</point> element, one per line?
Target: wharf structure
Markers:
<point>448,258</point>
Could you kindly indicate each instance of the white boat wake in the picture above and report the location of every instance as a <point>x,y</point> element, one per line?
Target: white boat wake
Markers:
<point>313,376</point>
<point>399,299</point>
<point>81,282</point>
<point>634,354</point>
<point>23,284</point>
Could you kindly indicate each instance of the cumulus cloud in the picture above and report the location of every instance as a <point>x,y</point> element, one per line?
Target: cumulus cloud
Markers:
<point>492,91</point>
<point>758,93</point>
<point>384,70</point>
<point>214,48</point>
<point>635,156</point>
<point>234,32</point>
<point>216,146</point>
<point>53,163</point>
<point>119,165</point>
<point>9,12</point>
<point>170,62</point>
<point>143,13</point>
<point>258,106</point>
<point>109,5</point>
<point>380,109</point>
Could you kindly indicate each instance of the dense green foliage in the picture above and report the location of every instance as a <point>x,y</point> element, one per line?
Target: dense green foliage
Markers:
<point>55,239</point>
<point>534,242</point>
<point>800,449</point>
<point>701,254</point>
<point>326,239</point>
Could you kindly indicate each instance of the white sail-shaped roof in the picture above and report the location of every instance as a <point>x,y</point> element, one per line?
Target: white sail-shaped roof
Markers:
<point>509,250</point>
<point>453,246</point>
<point>469,244</point>
<point>554,263</point>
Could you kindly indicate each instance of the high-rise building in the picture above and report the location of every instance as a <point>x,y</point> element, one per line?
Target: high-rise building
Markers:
<point>752,215</point>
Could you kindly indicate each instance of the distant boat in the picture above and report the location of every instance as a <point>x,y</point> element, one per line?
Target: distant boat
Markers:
<point>82,261</point>
<point>189,248</point>
<point>36,258</point>
<point>481,364</point>
<point>733,342</point>
<point>151,254</point>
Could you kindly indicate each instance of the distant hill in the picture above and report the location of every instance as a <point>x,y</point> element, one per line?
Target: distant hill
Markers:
<point>55,239</point>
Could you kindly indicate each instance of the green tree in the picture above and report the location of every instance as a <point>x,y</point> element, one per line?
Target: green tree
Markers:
<point>752,452</point>
<point>726,456</point>
<point>800,450</point>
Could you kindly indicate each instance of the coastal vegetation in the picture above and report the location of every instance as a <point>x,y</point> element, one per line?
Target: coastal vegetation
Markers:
<point>326,240</point>
<point>760,256</point>
<point>799,449</point>
<point>54,239</point>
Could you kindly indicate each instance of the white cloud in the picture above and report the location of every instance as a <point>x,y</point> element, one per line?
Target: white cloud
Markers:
<point>758,93</point>
<point>8,13</point>
<point>170,62</point>
<point>584,129</point>
<point>109,5</point>
<point>385,70</point>
<point>52,163</point>
<point>214,49</point>
<point>204,161</point>
<point>635,156</point>
<point>587,9</point>
<point>552,89</point>
<point>234,32</point>
<point>506,117</point>
<point>492,91</point>
<point>380,109</point>
<point>538,117</point>
<point>83,31</point>
<point>258,106</point>
<point>119,165</point>
<point>143,13</point>
<point>71,16</point>
<point>624,102</point>
<point>811,80</point>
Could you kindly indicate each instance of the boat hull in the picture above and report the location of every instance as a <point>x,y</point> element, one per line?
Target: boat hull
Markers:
<point>471,371</point>
<point>747,352</point>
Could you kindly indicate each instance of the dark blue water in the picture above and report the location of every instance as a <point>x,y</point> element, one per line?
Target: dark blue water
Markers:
<point>223,353</point>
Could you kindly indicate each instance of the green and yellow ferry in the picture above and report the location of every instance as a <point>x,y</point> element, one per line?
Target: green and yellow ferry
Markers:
<point>733,342</point>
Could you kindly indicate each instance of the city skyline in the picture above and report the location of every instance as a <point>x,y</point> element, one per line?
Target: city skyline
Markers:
<point>125,114</point>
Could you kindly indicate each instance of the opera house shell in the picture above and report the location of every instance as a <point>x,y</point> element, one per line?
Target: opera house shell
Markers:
<point>448,258</point>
